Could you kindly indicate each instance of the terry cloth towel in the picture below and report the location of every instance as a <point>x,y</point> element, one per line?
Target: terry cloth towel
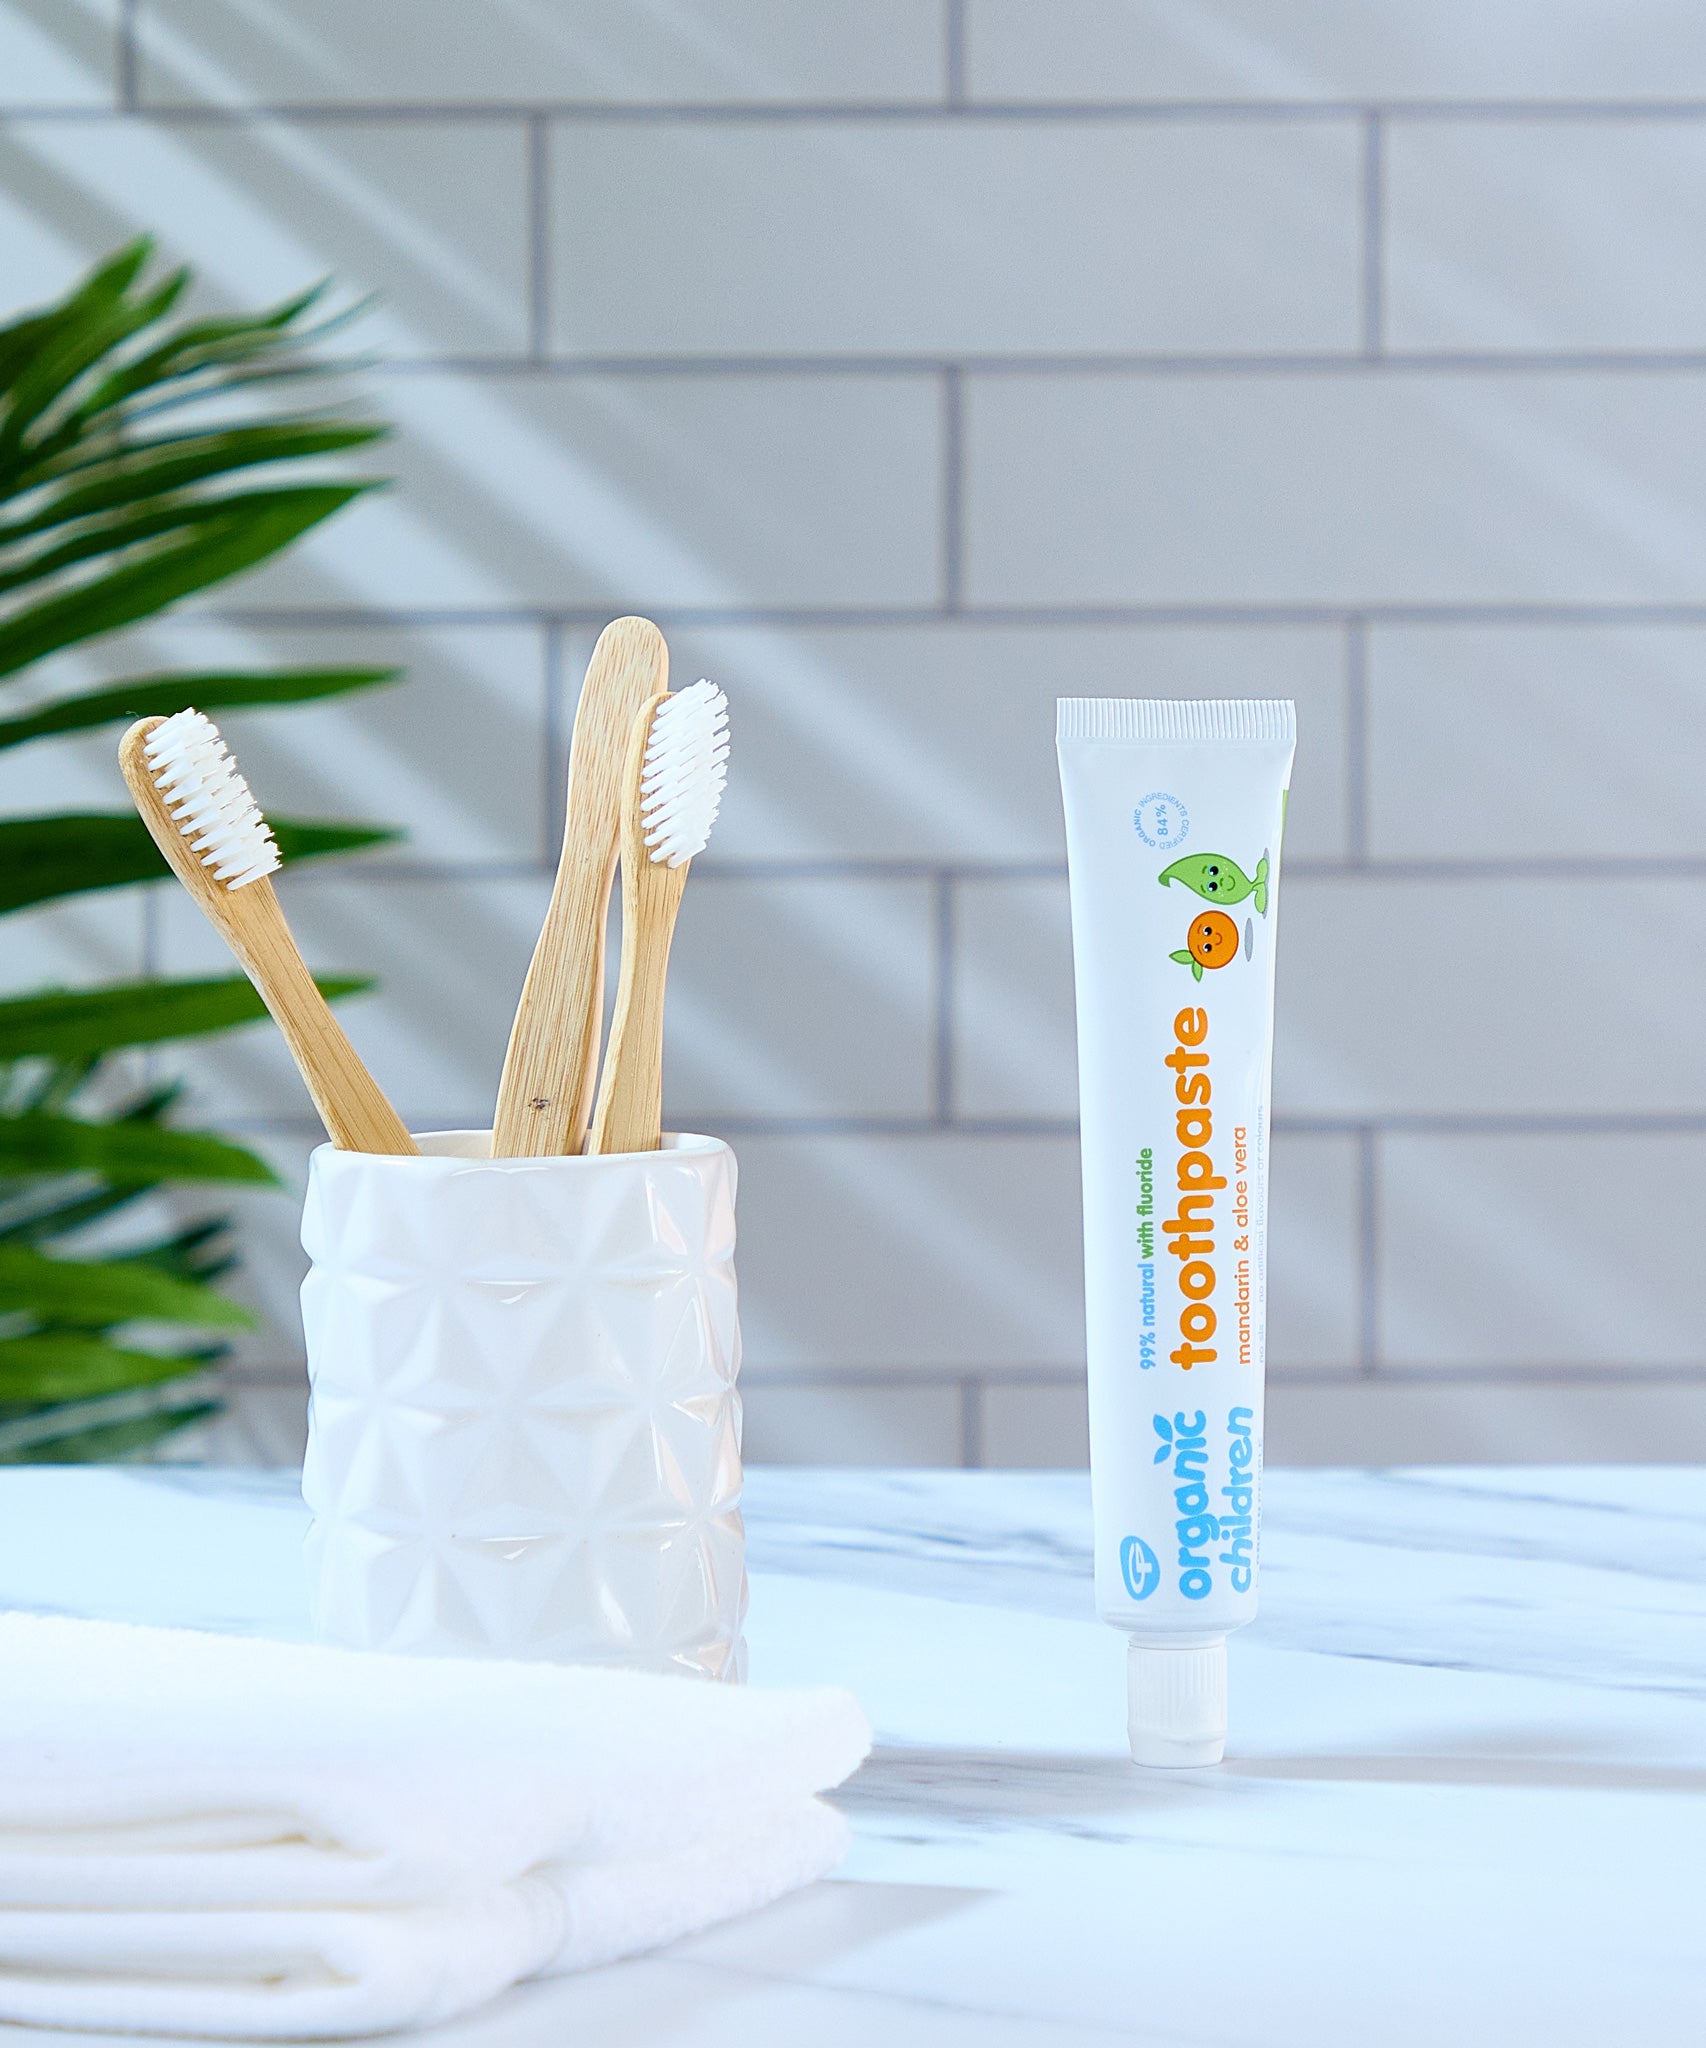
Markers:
<point>207,1834</point>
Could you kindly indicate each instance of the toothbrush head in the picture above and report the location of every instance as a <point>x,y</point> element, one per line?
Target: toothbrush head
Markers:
<point>686,766</point>
<point>209,802</point>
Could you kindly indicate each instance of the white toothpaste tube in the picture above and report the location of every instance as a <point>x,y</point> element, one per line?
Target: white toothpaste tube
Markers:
<point>1174,813</point>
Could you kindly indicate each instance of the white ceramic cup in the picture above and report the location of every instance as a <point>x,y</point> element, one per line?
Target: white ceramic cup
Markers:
<point>523,1427</point>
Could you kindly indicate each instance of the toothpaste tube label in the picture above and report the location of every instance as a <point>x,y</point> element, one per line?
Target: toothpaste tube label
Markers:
<point>1175,815</point>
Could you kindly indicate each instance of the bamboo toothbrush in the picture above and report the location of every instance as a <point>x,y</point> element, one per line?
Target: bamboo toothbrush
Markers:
<point>208,825</point>
<point>546,1093</point>
<point>677,766</point>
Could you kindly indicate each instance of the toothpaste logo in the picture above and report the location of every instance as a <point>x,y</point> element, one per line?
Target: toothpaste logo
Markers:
<point>1184,1443</point>
<point>1238,1523</point>
<point>1139,1567</point>
<point>1213,937</point>
<point>1184,1440</point>
<point>1190,1230</point>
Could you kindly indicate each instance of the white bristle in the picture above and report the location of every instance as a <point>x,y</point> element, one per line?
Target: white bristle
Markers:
<point>687,764</point>
<point>211,803</point>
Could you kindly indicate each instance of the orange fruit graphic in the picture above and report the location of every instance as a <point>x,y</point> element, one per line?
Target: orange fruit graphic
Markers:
<point>1213,939</point>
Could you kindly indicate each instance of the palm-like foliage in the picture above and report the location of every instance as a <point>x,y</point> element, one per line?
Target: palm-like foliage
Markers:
<point>130,443</point>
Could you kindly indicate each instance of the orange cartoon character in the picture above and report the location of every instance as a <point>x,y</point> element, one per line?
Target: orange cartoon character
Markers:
<point>1213,941</point>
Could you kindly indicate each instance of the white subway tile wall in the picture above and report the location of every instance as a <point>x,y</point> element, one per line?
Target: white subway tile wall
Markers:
<point>429,215</point>
<point>508,53</point>
<point>914,362</point>
<point>1348,487</point>
<point>744,239</point>
<point>1252,53</point>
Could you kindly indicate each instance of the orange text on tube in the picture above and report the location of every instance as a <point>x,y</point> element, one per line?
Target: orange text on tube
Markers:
<point>1190,1229</point>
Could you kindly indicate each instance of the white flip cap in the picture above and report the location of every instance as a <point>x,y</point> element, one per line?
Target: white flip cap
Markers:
<point>1176,1705</point>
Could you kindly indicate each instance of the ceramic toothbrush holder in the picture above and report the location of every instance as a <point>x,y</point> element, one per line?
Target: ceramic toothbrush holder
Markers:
<point>523,1427</point>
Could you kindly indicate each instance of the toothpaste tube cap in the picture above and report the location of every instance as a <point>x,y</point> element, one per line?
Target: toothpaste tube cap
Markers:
<point>1177,1704</point>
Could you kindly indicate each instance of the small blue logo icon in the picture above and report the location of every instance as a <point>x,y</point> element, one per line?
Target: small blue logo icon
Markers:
<point>1139,1567</point>
<point>1162,821</point>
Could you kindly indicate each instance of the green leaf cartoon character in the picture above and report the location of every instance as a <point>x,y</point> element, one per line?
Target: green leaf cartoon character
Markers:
<point>1219,880</point>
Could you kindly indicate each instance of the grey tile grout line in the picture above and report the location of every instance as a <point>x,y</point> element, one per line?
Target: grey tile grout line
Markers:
<point>1551,1376</point>
<point>932,107</point>
<point>1058,1373</point>
<point>844,868</point>
<point>1069,1376</point>
<point>1373,237</point>
<point>1247,615</point>
<point>1133,363</point>
<point>942,1075</point>
<point>836,868</point>
<point>952,566</point>
<point>1501,1123</point>
<point>124,57</point>
<point>1368,1253</point>
<point>926,108</point>
<point>971,1423</point>
<point>538,239</point>
<point>954,52</point>
<point>1525,868</point>
<point>1356,743</point>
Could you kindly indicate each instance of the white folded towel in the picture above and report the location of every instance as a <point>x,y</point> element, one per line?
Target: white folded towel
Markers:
<point>214,1835</point>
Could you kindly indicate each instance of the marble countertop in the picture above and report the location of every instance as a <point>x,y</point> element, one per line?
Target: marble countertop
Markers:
<point>1465,1799</point>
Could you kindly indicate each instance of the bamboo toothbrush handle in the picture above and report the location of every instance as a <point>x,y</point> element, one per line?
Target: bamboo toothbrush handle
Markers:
<point>553,1046</point>
<point>352,1105</point>
<point>546,1092</point>
<point>629,1115</point>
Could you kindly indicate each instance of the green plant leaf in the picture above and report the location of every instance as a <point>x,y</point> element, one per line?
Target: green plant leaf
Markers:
<point>122,534</point>
<point>137,471</point>
<point>126,485</point>
<point>151,1107</point>
<point>312,839</point>
<point>199,348</point>
<point>102,1443</point>
<point>33,349</point>
<point>58,1214</point>
<point>97,1020</point>
<point>132,536</point>
<point>263,522</point>
<point>110,279</point>
<point>124,1152</point>
<point>199,1253</point>
<point>42,859</point>
<point>63,1365</point>
<point>95,1294</point>
<point>160,696</point>
<point>219,331</point>
<point>57,1086</point>
<point>54,369</point>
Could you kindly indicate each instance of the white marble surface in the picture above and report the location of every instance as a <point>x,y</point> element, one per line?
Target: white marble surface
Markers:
<point>1466,1801</point>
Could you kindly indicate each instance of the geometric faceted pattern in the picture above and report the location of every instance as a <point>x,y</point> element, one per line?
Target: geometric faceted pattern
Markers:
<point>523,1426</point>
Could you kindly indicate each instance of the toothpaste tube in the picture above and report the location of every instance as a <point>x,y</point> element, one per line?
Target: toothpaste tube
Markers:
<point>1174,813</point>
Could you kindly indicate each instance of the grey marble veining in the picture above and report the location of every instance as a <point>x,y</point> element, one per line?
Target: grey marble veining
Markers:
<point>1465,1800</point>
<point>1607,1567</point>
